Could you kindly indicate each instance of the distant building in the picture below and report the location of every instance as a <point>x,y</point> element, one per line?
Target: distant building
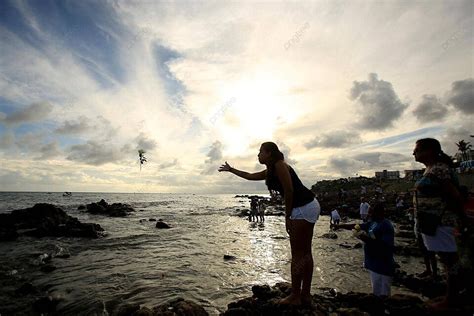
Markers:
<point>391,175</point>
<point>414,174</point>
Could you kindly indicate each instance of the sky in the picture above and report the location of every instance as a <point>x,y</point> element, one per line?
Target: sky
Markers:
<point>344,88</point>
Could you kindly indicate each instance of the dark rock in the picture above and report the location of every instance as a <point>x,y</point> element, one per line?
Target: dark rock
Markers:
<point>265,302</point>
<point>48,220</point>
<point>161,224</point>
<point>7,233</point>
<point>330,235</point>
<point>229,257</point>
<point>358,245</point>
<point>152,219</point>
<point>114,210</point>
<point>26,289</point>
<point>127,309</point>
<point>45,305</point>
<point>48,268</point>
<point>180,306</point>
<point>81,207</point>
<point>405,234</point>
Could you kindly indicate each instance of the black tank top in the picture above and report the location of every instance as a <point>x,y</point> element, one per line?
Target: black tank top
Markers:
<point>301,194</point>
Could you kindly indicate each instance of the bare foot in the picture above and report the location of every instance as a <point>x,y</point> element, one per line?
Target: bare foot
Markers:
<point>291,299</point>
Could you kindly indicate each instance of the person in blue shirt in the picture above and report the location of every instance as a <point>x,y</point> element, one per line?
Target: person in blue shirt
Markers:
<point>378,237</point>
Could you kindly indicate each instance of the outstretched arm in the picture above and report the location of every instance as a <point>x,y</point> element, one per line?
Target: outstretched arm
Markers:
<point>261,175</point>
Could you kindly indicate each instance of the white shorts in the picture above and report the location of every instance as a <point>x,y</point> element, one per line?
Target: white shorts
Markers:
<point>309,212</point>
<point>380,283</point>
<point>442,241</point>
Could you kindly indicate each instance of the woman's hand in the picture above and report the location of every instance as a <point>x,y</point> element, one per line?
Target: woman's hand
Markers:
<point>288,225</point>
<point>225,167</point>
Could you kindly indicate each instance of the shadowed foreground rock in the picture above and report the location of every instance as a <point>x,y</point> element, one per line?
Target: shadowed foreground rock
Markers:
<point>265,302</point>
<point>176,307</point>
<point>45,220</point>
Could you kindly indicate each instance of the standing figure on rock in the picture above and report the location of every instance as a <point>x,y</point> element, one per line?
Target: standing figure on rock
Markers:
<point>438,210</point>
<point>302,212</point>
<point>363,209</point>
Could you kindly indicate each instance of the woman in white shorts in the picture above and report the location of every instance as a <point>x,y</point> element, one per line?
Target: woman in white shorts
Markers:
<point>302,212</point>
<point>438,210</point>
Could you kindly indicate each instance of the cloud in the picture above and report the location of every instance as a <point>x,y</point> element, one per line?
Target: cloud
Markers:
<point>453,135</point>
<point>145,143</point>
<point>345,166</point>
<point>7,140</point>
<point>430,109</point>
<point>166,165</point>
<point>94,153</point>
<point>49,150</point>
<point>461,95</point>
<point>334,139</point>
<point>286,153</point>
<point>381,159</point>
<point>379,104</point>
<point>32,113</point>
<point>78,126</point>
<point>214,155</point>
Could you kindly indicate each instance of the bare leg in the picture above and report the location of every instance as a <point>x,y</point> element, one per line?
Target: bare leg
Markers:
<point>301,262</point>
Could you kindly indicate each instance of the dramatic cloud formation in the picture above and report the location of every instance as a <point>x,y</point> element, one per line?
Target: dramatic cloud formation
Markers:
<point>430,109</point>
<point>84,85</point>
<point>79,126</point>
<point>334,139</point>
<point>379,104</point>
<point>214,157</point>
<point>32,113</point>
<point>461,95</point>
<point>93,153</point>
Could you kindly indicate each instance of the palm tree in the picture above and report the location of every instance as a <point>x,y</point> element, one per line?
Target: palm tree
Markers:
<point>141,157</point>
<point>464,148</point>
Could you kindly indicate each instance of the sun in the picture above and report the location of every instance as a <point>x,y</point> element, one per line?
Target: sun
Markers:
<point>252,115</point>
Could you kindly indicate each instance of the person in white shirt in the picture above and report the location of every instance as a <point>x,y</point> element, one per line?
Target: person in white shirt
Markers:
<point>335,217</point>
<point>364,209</point>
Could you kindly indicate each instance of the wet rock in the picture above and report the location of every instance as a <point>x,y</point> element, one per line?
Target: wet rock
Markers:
<point>60,252</point>
<point>81,207</point>
<point>427,287</point>
<point>229,257</point>
<point>113,210</point>
<point>127,309</point>
<point>358,245</point>
<point>7,233</point>
<point>330,235</point>
<point>48,220</point>
<point>152,220</point>
<point>45,305</point>
<point>265,302</point>
<point>180,306</point>
<point>48,268</point>
<point>161,224</point>
<point>26,289</point>
<point>405,234</point>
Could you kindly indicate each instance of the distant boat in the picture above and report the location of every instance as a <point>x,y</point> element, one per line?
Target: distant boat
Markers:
<point>67,194</point>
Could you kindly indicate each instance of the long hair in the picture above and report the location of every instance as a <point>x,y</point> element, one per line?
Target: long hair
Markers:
<point>275,155</point>
<point>435,146</point>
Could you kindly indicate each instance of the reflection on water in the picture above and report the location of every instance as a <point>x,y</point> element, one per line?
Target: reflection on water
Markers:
<point>137,263</point>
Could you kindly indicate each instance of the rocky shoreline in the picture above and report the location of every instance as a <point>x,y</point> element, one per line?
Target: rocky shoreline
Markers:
<point>43,220</point>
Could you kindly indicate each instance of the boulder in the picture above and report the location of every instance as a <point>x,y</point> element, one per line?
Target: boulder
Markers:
<point>113,210</point>
<point>160,224</point>
<point>330,235</point>
<point>179,306</point>
<point>47,220</point>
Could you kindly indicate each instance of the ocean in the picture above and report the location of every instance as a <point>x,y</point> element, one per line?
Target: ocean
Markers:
<point>137,263</point>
